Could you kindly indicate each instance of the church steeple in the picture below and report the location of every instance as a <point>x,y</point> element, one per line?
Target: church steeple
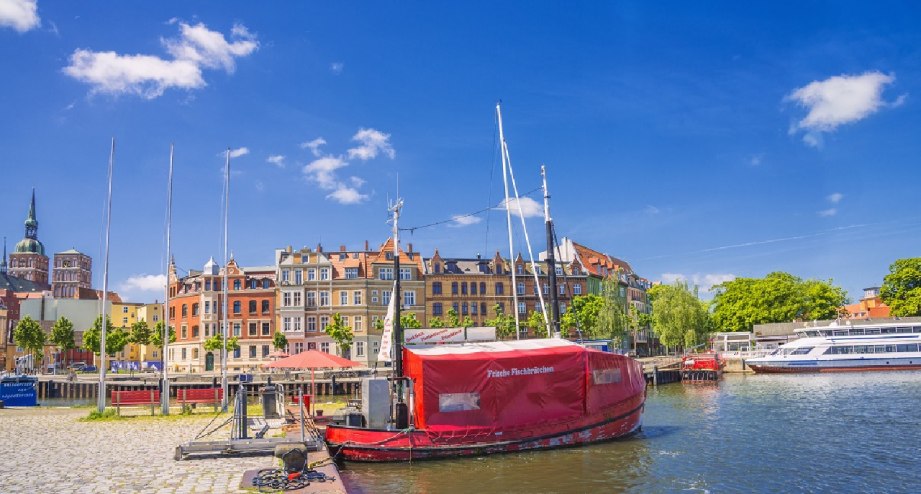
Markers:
<point>3,261</point>
<point>30,243</point>
<point>31,221</point>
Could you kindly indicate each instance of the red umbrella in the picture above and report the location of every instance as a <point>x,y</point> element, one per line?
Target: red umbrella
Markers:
<point>313,360</point>
<point>278,354</point>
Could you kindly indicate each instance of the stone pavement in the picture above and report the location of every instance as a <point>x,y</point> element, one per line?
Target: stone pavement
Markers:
<point>50,450</point>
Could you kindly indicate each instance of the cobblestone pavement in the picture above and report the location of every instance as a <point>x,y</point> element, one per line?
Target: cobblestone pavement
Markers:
<point>50,450</point>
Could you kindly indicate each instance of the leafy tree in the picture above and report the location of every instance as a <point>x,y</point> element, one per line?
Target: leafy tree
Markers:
<point>613,318</point>
<point>29,335</point>
<point>453,320</point>
<point>583,315</point>
<point>535,322</point>
<point>279,341</point>
<point>778,297</point>
<point>467,322</point>
<point>340,333</point>
<point>116,338</point>
<point>140,333</point>
<point>62,335</point>
<point>379,324</point>
<point>436,322</point>
<point>213,343</point>
<point>408,321</point>
<point>156,337</point>
<point>504,323</point>
<point>678,316</point>
<point>901,289</point>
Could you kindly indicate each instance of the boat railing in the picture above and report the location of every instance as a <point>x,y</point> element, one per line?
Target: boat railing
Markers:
<point>747,353</point>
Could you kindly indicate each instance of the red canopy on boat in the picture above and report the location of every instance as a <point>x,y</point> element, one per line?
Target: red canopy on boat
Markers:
<point>313,359</point>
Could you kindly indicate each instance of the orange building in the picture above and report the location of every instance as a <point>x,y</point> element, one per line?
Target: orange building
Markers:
<point>871,306</point>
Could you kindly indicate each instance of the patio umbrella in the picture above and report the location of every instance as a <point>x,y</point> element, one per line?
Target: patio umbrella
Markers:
<point>312,360</point>
<point>278,354</point>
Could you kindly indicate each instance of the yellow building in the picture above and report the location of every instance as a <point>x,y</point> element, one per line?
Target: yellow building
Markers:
<point>151,314</point>
<point>124,315</point>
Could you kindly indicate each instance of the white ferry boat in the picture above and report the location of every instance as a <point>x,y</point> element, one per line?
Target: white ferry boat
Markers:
<point>890,346</point>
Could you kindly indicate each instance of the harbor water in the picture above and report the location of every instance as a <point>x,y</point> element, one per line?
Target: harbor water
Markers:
<point>848,432</point>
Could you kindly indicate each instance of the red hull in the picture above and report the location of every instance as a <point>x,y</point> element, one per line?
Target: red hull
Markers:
<point>764,369</point>
<point>374,445</point>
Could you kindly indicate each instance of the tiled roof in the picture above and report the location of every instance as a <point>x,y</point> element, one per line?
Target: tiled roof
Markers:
<point>593,260</point>
<point>16,284</point>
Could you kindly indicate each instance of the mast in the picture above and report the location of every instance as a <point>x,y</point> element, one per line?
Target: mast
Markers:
<point>101,398</point>
<point>503,151</point>
<point>554,322</point>
<point>164,395</point>
<point>224,309</point>
<point>397,328</point>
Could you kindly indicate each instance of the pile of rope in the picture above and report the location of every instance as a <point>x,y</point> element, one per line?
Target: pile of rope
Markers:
<point>296,474</point>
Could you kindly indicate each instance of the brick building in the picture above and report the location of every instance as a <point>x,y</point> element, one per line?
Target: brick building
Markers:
<point>28,260</point>
<point>72,270</point>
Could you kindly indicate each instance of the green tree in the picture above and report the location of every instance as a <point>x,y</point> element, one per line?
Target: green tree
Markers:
<point>453,320</point>
<point>62,335</point>
<point>116,338</point>
<point>678,316</point>
<point>340,333</point>
<point>535,322</point>
<point>213,343</point>
<point>408,321</point>
<point>436,322</point>
<point>379,324</point>
<point>156,337</point>
<point>280,341</point>
<point>583,315</point>
<point>504,323</point>
<point>778,297</point>
<point>901,289</point>
<point>467,322</point>
<point>613,319</point>
<point>29,335</point>
<point>140,333</point>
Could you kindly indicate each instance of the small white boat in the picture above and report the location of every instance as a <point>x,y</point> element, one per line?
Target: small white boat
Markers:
<point>890,346</point>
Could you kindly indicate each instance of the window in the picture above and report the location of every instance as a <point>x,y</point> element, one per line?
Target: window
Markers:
<point>265,306</point>
<point>236,329</point>
<point>311,299</point>
<point>124,321</point>
<point>356,297</point>
<point>359,349</point>
<point>125,309</point>
<point>265,351</point>
<point>311,274</point>
<point>409,298</point>
<point>562,288</point>
<point>183,354</point>
<point>473,289</point>
<point>253,305</point>
<point>324,274</point>
<point>286,324</point>
<point>267,327</point>
<point>482,288</point>
<point>483,308</point>
<point>500,288</point>
<point>546,289</point>
<point>455,307</point>
<point>324,347</point>
<point>562,308</point>
<point>236,353</point>
<point>207,285</point>
<point>311,323</point>
<point>436,288</point>
<point>406,273</point>
<point>463,288</point>
<point>357,325</point>
<point>522,308</point>
<point>252,329</point>
<point>265,283</point>
<point>343,298</point>
<point>185,310</point>
<point>519,269</point>
<point>437,268</point>
<point>385,273</point>
<point>324,299</point>
<point>184,331</point>
<point>252,351</point>
<point>473,308</point>
<point>296,299</point>
<point>453,288</point>
<point>464,309</point>
<point>285,275</point>
<point>286,299</point>
<point>385,297</point>
<point>298,276</point>
<point>207,307</point>
<point>577,289</point>
<point>253,284</point>
<point>351,273</point>
<point>236,307</point>
<point>324,321</point>
<point>236,284</point>
<point>345,321</point>
<point>437,309</point>
<point>298,347</point>
<point>558,270</point>
<point>520,288</point>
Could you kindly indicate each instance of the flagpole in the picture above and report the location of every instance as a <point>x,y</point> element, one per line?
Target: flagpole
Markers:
<point>224,322</point>
<point>164,396</point>
<point>101,399</point>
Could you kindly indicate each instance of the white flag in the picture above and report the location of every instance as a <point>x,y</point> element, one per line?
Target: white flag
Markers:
<point>385,354</point>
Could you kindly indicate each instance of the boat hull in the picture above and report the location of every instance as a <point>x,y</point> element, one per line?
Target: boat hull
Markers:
<point>850,365</point>
<point>375,445</point>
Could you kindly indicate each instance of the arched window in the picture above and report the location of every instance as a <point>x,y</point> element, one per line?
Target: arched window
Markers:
<point>252,305</point>
<point>236,306</point>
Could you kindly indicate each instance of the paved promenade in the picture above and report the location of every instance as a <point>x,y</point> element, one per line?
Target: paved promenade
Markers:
<point>50,450</point>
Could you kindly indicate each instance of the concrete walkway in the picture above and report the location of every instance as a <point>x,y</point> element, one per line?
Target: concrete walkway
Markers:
<point>50,450</point>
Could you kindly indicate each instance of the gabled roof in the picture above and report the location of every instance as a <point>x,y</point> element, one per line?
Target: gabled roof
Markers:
<point>592,261</point>
<point>19,285</point>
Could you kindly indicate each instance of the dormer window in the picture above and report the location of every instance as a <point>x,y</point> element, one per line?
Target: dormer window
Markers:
<point>437,267</point>
<point>390,256</point>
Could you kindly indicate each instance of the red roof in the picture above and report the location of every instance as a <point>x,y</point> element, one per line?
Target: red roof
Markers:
<point>313,359</point>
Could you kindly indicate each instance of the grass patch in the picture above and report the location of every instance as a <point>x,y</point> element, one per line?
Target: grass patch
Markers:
<point>106,415</point>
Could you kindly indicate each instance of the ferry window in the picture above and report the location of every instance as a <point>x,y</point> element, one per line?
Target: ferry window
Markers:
<point>840,332</point>
<point>903,330</point>
<point>913,347</point>
<point>890,348</point>
<point>861,349</point>
<point>802,351</point>
<point>606,376</point>
<point>856,330</point>
<point>872,330</point>
<point>916,329</point>
<point>458,402</point>
<point>888,330</point>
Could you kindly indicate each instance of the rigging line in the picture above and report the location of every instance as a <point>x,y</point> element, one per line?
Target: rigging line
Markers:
<point>454,218</point>
<point>492,171</point>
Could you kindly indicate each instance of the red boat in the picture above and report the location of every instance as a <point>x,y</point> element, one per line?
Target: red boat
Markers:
<point>485,398</point>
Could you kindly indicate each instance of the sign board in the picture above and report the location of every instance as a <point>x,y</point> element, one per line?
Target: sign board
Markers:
<point>438,336</point>
<point>18,392</point>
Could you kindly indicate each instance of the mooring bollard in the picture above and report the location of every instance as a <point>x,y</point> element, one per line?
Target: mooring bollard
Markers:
<point>655,375</point>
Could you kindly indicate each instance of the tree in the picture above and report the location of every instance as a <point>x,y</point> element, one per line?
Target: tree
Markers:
<point>583,315</point>
<point>140,333</point>
<point>467,322</point>
<point>379,324</point>
<point>504,323</point>
<point>29,335</point>
<point>436,322</point>
<point>62,335</point>
<point>678,316</point>
<point>156,338</point>
<point>116,338</point>
<point>279,341</point>
<point>535,322</point>
<point>613,320</point>
<point>340,333</point>
<point>213,343</point>
<point>778,297</point>
<point>453,320</point>
<point>408,321</point>
<point>901,289</point>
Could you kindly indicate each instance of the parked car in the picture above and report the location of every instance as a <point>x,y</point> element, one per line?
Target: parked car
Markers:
<point>77,366</point>
<point>88,368</point>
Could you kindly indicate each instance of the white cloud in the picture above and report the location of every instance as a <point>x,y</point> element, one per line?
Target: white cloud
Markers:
<point>347,195</point>
<point>322,171</point>
<point>461,220</point>
<point>149,75</point>
<point>835,198</point>
<point>336,67</point>
<point>704,281</point>
<point>314,145</point>
<point>21,15</point>
<point>837,101</point>
<point>277,160</point>
<point>357,181</point>
<point>236,153</point>
<point>529,207</point>
<point>144,283</point>
<point>825,213</point>
<point>371,143</point>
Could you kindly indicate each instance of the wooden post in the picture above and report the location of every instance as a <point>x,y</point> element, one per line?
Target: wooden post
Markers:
<point>655,375</point>
<point>152,404</point>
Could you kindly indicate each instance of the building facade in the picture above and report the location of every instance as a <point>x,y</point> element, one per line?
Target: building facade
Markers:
<point>72,270</point>
<point>471,287</point>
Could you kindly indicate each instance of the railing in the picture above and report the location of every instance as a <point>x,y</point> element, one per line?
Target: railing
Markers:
<point>746,353</point>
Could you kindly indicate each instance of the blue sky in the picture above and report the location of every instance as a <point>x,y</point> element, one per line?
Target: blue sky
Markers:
<point>695,141</point>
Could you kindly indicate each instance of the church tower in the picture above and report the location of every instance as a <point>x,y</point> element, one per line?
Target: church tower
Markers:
<point>28,259</point>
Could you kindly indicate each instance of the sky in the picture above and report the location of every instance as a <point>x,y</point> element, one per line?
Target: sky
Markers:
<point>694,141</point>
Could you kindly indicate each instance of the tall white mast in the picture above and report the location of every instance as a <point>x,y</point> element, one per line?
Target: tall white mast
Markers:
<point>101,399</point>
<point>503,150</point>
<point>164,396</point>
<point>224,310</point>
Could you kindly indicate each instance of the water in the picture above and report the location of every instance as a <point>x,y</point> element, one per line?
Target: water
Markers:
<point>853,432</point>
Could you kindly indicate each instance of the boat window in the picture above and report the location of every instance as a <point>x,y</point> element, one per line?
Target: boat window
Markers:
<point>824,332</point>
<point>857,331</point>
<point>912,347</point>
<point>458,402</point>
<point>872,330</point>
<point>777,352</point>
<point>606,376</point>
<point>802,351</point>
<point>888,330</point>
<point>916,329</point>
<point>860,349</point>
<point>840,332</point>
<point>812,333</point>
<point>903,329</point>
<point>890,348</point>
